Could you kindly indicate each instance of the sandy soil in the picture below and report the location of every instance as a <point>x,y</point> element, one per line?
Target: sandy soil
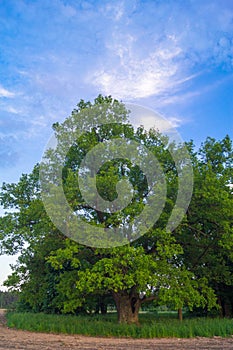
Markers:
<point>24,340</point>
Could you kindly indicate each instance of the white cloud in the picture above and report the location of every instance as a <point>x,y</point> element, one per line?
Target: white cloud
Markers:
<point>114,11</point>
<point>156,51</point>
<point>130,76</point>
<point>183,97</point>
<point>6,93</point>
<point>11,109</point>
<point>149,118</point>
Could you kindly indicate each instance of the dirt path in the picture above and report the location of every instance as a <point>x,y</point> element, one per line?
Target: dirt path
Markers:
<point>24,340</point>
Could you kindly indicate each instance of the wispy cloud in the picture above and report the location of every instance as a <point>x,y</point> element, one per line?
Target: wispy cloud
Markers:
<point>6,93</point>
<point>181,97</point>
<point>148,118</point>
<point>115,11</point>
<point>158,57</point>
<point>135,77</point>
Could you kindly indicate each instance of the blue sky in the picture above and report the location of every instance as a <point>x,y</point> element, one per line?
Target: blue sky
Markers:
<point>175,57</point>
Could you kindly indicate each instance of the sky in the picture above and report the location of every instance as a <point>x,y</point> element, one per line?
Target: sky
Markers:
<point>173,56</point>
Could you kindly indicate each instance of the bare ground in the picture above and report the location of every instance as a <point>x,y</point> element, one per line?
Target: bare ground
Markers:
<point>24,340</point>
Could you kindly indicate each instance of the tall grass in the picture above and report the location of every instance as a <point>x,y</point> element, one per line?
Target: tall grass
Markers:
<point>151,326</point>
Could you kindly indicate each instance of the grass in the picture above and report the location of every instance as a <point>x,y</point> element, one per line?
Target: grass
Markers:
<point>151,326</point>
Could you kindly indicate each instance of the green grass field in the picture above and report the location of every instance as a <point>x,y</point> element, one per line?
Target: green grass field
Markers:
<point>151,325</point>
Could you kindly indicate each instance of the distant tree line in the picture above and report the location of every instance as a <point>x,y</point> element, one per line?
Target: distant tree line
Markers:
<point>8,299</point>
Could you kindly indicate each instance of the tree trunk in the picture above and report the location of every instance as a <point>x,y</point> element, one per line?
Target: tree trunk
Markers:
<point>127,307</point>
<point>103,308</point>
<point>227,309</point>
<point>180,314</point>
<point>220,306</point>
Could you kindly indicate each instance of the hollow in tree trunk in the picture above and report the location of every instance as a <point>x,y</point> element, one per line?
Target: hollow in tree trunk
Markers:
<point>127,307</point>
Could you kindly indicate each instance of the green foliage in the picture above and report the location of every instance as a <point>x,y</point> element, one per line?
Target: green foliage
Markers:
<point>8,300</point>
<point>35,279</point>
<point>188,267</point>
<point>207,234</point>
